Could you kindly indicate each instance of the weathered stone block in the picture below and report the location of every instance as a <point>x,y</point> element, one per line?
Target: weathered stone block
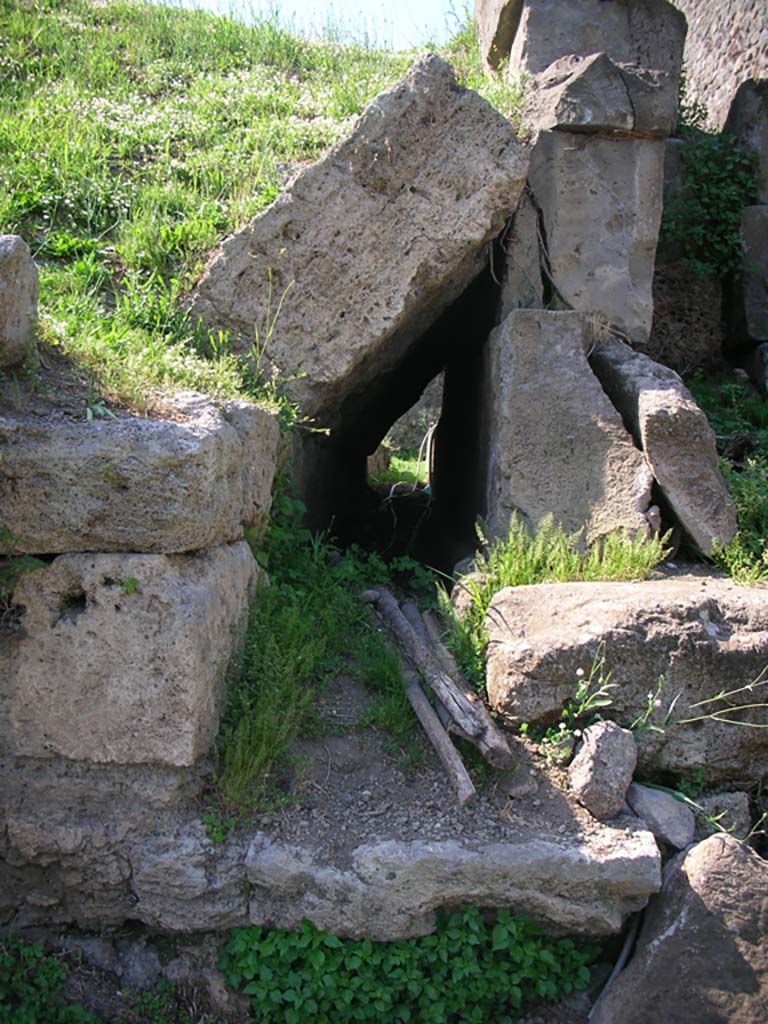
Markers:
<point>702,954</point>
<point>392,888</point>
<point>435,171</point>
<point>676,438</point>
<point>120,657</point>
<point>698,635</point>
<point>601,200</point>
<point>18,299</point>
<point>668,818</point>
<point>594,95</point>
<point>602,770</point>
<point>649,34</point>
<point>136,484</point>
<point>555,444</point>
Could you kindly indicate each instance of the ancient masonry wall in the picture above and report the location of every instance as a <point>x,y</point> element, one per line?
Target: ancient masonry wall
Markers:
<point>727,43</point>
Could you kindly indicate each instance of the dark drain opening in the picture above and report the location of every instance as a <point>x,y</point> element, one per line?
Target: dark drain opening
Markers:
<point>434,526</point>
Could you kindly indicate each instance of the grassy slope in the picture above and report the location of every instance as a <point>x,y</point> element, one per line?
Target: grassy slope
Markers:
<point>133,138</point>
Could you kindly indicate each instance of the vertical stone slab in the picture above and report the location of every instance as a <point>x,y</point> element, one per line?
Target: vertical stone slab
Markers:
<point>555,444</point>
<point>18,299</point>
<point>601,200</point>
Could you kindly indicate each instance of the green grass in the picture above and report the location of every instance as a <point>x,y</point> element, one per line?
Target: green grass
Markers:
<point>550,555</point>
<point>405,466</point>
<point>737,414</point>
<point>135,137</point>
<point>304,629</point>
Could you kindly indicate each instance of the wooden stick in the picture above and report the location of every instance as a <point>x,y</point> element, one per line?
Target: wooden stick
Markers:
<point>465,708</point>
<point>418,624</point>
<point>491,743</point>
<point>438,737</point>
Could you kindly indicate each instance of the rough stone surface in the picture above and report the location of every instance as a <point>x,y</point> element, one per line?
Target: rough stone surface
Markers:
<point>601,200</point>
<point>391,889</point>
<point>701,634</point>
<point>667,817</point>
<point>702,954</point>
<point>121,658</point>
<point>556,446</point>
<point>752,311</point>
<point>580,94</point>
<point>437,171</point>
<point>603,768</point>
<point>496,25</point>
<point>18,299</point>
<point>676,438</point>
<point>171,876</point>
<point>647,33</point>
<point>136,484</point>
<point>731,811</point>
<point>522,286</point>
<point>593,94</point>
<point>727,43</point>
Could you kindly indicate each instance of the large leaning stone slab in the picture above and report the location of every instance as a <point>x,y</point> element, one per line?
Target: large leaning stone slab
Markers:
<point>121,658</point>
<point>393,888</point>
<point>371,244</point>
<point>601,200</point>
<point>676,438</point>
<point>137,484</point>
<point>555,444</point>
<point>748,122</point>
<point>699,635</point>
<point>18,299</point>
<point>702,954</point>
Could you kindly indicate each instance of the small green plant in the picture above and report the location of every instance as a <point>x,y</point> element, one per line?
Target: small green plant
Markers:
<point>130,585</point>
<point>653,704</point>
<point>548,555</point>
<point>469,971</point>
<point>592,694</point>
<point>12,567</point>
<point>31,984</point>
<point>217,829</point>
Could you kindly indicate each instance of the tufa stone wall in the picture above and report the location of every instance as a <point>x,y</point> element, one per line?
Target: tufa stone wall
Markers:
<point>727,43</point>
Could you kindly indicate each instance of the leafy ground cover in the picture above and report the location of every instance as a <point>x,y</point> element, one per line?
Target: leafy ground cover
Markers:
<point>470,970</point>
<point>135,137</point>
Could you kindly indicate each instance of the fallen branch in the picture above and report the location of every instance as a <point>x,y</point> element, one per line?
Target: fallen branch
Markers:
<point>439,739</point>
<point>464,707</point>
